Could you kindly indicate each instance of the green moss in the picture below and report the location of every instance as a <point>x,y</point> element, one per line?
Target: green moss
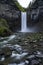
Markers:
<point>19,6</point>
<point>3,22</point>
<point>4,28</point>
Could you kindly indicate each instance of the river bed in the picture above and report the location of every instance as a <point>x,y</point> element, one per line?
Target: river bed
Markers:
<point>22,49</point>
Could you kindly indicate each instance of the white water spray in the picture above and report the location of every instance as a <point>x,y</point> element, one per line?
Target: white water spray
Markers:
<point>24,27</point>
<point>23,21</point>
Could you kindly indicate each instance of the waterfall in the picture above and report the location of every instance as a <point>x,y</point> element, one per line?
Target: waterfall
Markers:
<point>24,27</point>
<point>23,21</point>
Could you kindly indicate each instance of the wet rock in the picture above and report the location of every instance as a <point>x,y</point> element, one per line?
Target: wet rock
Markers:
<point>1,52</point>
<point>12,64</point>
<point>17,58</point>
<point>7,52</point>
<point>35,46</point>
<point>30,57</point>
<point>1,64</point>
<point>39,56</point>
<point>34,41</point>
<point>41,43</point>
<point>9,48</point>
<point>2,58</point>
<point>22,63</point>
<point>36,52</point>
<point>27,62</point>
<point>35,62</point>
<point>41,39</point>
<point>18,48</point>
<point>15,55</point>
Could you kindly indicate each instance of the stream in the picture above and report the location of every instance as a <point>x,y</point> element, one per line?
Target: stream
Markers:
<point>17,49</point>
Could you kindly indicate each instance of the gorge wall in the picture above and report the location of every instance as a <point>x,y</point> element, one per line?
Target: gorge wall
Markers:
<point>35,14</point>
<point>11,13</point>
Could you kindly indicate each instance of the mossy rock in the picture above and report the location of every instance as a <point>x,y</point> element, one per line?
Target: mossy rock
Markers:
<point>4,31</point>
<point>6,51</point>
<point>3,22</point>
<point>4,28</point>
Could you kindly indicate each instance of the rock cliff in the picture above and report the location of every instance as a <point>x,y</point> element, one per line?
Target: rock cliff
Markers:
<point>11,13</point>
<point>35,13</point>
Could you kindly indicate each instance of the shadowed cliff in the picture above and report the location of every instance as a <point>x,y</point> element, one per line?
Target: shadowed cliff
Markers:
<point>35,14</point>
<point>11,13</point>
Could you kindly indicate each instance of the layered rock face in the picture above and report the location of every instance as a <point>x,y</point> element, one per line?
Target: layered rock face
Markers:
<point>35,14</point>
<point>10,12</point>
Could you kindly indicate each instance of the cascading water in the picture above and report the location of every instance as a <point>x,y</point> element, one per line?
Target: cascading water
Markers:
<point>24,24</point>
<point>23,21</point>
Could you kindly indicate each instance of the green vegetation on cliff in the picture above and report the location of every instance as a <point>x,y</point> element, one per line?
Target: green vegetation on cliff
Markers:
<point>4,28</point>
<point>19,6</point>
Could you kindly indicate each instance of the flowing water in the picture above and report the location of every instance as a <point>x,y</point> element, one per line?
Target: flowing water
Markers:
<point>21,48</point>
<point>23,21</point>
<point>16,50</point>
<point>24,24</point>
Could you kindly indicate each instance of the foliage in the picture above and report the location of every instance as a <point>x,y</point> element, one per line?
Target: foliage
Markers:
<point>19,6</point>
<point>3,22</point>
<point>4,28</point>
<point>2,31</point>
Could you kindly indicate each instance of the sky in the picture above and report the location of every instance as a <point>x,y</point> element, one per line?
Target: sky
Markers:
<point>24,3</point>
